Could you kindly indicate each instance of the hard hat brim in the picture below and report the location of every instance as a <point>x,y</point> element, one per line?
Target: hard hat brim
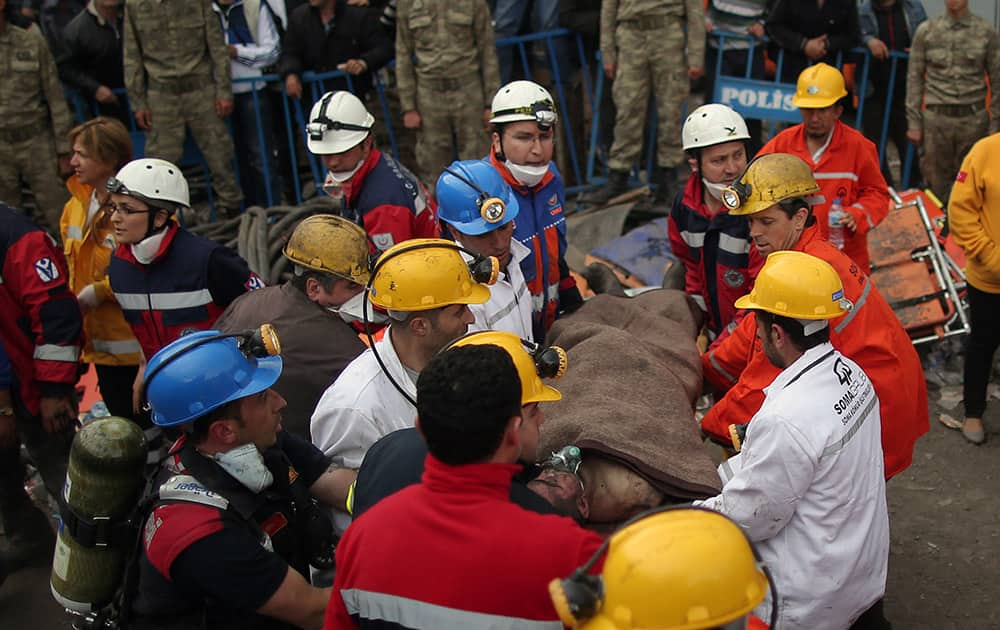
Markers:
<point>548,394</point>
<point>345,142</point>
<point>479,294</point>
<point>816,102</point>
<point>480,226</point>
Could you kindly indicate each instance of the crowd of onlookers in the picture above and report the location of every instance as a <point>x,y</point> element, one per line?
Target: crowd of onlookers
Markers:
<point>133,61</point>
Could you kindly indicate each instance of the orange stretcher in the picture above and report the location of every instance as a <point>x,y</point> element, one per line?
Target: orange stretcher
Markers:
<point>918,269</point>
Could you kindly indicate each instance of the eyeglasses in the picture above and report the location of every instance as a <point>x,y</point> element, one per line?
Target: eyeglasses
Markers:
<point>113,207</point>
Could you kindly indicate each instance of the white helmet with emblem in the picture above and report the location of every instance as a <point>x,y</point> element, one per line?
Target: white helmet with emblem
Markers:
<point>713,124</point>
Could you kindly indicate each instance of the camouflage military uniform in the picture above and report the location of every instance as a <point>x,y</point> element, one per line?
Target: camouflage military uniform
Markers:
<point>948,59</point>
<point>34,122</point>
<point>646,40</point>
<point>177,66</point>
<point>453,81</point>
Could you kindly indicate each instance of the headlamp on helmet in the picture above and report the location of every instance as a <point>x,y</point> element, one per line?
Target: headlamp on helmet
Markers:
<point>543,112</point>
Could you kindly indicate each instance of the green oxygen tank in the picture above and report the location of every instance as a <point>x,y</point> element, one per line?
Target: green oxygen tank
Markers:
<point>103,484</point>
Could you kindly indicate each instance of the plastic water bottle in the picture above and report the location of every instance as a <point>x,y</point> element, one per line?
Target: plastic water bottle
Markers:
<point>837,216</point>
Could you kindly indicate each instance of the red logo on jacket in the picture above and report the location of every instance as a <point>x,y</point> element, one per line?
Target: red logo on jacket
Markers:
<point>960,178</point>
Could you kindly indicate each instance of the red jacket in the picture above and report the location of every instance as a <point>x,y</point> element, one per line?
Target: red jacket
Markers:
<point>719,262</point>
<point>454,547</point>
<point>40,321</point>
<point>847,169</point>
<point>389,202</point>
<point>870,334</point>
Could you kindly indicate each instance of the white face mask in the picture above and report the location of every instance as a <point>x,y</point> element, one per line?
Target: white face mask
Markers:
<point>527,174</point>
<point>350,311</point>
<point>246,465</point>
<point>342,176</point>
<point>715,189</point>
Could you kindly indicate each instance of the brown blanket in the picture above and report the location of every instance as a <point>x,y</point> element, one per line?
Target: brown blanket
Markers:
<point>634,374</point>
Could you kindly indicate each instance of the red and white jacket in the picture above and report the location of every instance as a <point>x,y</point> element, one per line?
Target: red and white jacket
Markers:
<point>40,322</point>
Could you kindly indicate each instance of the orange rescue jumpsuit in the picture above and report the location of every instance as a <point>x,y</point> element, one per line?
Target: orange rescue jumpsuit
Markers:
<point>870,334</point>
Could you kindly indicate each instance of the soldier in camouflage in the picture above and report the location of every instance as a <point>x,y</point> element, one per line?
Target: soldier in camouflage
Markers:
<point>643,43</point>
<point>34,122</point>
<point>949,57</point>
<point>177,75</point>
<point>450,87</point>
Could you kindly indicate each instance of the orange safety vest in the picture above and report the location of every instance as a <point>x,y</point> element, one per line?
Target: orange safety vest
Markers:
<point>870,334</point>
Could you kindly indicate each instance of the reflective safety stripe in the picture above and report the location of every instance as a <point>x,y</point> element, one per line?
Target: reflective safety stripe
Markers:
<point>163,301</point>
<point>727,471</point>
<point>412,613</point>
<point>842,442</point>
<point>52,352</point>
<point>122,346</point>
<point>863,209</point>
<point>857,307</point>
<point>700,301</point>
<point>538,301</point>
<point>74,232</point>
<point>506,310</point>
<point>693,239</point>
<point>718,368</point>
<point>844,175</point>
<point>734,245</point>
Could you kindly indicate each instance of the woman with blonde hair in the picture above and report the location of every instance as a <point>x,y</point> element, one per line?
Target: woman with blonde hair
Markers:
<point>99,148</point>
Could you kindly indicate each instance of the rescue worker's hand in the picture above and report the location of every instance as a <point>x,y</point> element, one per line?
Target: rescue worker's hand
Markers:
<point>815,48</point>
<point>57,414</point>
<point>610,69</point>
<point>104,95</point>
<point>915,136</point>
<point>144,119</point>
<point>411,119</point>
<point>293,87</point>
<point>487,114</point>
<point>87,297</point>
<point>849,221</point>
<point>695,72</point>
<point>8,421</point>
<point>232,51</point>
<point>353,66</point>
<point>223,107</point>
<point>879,50</point>
<point>756,30</point>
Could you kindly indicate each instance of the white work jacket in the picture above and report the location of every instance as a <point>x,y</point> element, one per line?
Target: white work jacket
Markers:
<point>360,407</point>
<point>509,306</point>
<point>808,489</point>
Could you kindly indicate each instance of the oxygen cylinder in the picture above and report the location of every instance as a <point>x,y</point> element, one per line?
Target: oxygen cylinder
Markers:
<point>103,482</point>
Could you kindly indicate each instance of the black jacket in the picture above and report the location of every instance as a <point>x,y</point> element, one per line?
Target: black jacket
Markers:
<point>791,22</point>
<point>356,34</point>
<point>91,55</point>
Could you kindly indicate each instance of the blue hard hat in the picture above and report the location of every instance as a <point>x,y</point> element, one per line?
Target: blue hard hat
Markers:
<point>467,194</point>
<point>199,377</point>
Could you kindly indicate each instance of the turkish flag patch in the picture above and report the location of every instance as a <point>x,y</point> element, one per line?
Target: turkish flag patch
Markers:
<point>960,178</point>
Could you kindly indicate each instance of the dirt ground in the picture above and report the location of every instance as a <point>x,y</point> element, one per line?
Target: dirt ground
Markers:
<point>944,565</point>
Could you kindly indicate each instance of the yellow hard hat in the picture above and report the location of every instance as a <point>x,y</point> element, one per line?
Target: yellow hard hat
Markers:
<point>819,86</point>
<point>330,244</point>
<point>681,569</point>
<point>767,180</point>
<point>799,285</point>
<point>531,360</point>
<point>425,273</point>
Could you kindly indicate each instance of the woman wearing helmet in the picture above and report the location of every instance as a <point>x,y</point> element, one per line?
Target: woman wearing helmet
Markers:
<point>523,119</point>
<point>100,147</point>
<point>713,246</point>
<point>477,209</point>
<point>167,280</point>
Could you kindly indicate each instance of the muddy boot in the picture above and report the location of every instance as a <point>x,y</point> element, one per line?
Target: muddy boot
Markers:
<point>602,279</point>
<point>617,185</point>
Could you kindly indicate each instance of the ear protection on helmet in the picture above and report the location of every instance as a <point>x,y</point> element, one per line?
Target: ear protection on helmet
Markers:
<point>580,596</point>
<point>254,343</point>
<point>492,209</point>
<point>322,123</point>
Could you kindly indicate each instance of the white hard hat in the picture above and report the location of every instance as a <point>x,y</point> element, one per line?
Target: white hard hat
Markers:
<point>338,122</point>
<point>523,100</point>
<point>152,181</point>
<point>713,124</point>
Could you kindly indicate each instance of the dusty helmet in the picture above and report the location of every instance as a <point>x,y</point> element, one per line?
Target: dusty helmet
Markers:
<point>330,244</point>
<point>767,180</point>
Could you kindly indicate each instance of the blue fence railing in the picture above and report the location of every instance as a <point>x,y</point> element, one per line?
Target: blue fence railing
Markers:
<point>753,96</point>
